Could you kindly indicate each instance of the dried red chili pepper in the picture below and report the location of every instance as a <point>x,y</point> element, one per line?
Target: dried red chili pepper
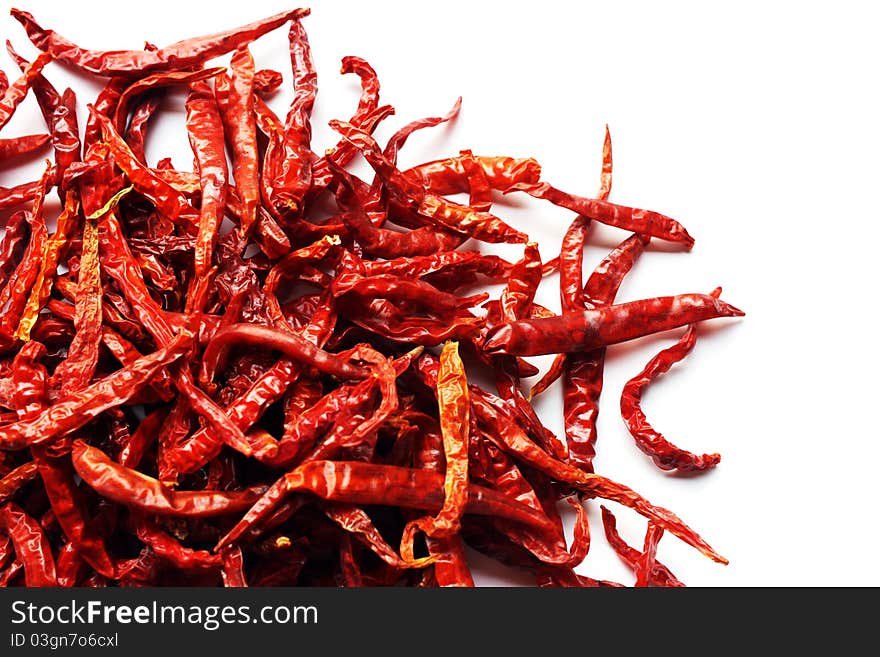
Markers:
<point>664,454</point>
<point>452,397</point>
<point>176,56</point>
<point>131,488</point>
<point>367,483</point>
<point>644,222</point>
<point>205,131</point>
<point>10,148</point>
<point>152,83</point>
<point>16,92</point>
<point>14,480</point>
<point>589,329</point>
<point>235,100</point>
<point>32,548</point>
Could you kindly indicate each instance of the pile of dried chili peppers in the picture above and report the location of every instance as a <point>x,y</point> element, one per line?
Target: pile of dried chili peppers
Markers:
<point>284,402</point>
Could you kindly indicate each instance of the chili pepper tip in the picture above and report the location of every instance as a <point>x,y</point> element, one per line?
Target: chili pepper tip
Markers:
<point>730,311</point>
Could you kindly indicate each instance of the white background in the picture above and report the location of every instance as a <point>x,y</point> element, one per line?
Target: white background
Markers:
<point>756,126</point>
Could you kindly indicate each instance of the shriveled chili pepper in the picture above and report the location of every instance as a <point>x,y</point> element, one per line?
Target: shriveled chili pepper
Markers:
<point>132,488</point>
<point>235,101</point>
<point>289,343</point>
<point>10,148</point>
<point>169,549</point>
<point>589,329</point>
<point>450,175</point>
<point>205,131</point>
<point>176,56</point>
<point>135,133</point>
<point>153,82</point>
<point>664,454</point>
<point>14,480</point>
<point>644,222</point>
<point>31,546</point>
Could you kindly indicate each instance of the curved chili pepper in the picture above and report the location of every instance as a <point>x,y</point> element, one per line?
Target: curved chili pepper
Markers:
<point>289,343</point>
<point>167,548</point>
<point>398,139</point>
<point>16,92</point>
<point>644,222</point>
<point>132,488</point>
<point>405,291</point>
<point>452,398</point>
<point>664,454</point>
<point>31,546</point>
<point>512,439</point>
<point>235,100</point>
<point>603,326</point>
<point>450,175</point>
<point>153,82</point>
<point>180,55</point>
<point>13,481</point>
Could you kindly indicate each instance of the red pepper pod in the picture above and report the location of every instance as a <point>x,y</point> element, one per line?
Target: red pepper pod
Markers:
<point>599,327</point>
<point>132,488</point>
<point>665,455</point>
<point>180,55</point>
<point>636,220</point>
